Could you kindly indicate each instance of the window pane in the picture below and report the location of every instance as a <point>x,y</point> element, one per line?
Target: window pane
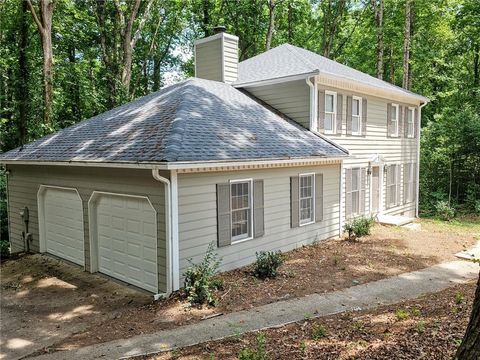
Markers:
<point>393,112</point>
<point>329,102</point>
<point>356,107</point>
<point>355,180</point>
<point>355,124</point>
<point>329,122</point>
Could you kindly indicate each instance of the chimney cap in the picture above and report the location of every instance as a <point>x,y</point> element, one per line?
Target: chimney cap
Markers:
<point>219,29</point>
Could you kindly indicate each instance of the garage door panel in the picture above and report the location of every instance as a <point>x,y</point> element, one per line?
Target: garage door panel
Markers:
<point>63,224</point>
<point>127,242</point>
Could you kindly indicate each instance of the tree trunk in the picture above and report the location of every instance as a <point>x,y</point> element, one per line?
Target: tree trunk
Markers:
<point>75,87</point>
<point>206,18</point>
<point>44,25</point>
<point>290,22</point>
<point>22,87</point>
<point>271,24</point>
<point>406,43</point>
<point>392,66</point>
<point>470,347</point>
<point>378,11</point>
<point>476,69</point>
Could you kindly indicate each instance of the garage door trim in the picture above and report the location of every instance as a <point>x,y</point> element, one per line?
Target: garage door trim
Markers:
<point>41,216</point>
<point>92,220</point>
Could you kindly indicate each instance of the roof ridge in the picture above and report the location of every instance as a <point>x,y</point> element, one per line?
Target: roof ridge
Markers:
<point>293,49</point>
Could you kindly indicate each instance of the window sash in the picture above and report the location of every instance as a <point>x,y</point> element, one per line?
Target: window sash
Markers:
<point>355,194</point>
<point>392,185</point>
<point>356,115</point>
<point>241,209</point>
<point>330,112</point>
<point>306,198</point>
<point>410,122</point>
<point>394,119</point>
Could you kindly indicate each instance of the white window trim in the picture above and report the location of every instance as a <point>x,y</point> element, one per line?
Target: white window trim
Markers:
<point>250,198</point>
<point>359,132</point>
<point>359,191</point>
<point>313,199</point>
<point>398,185</point>
<point>411,109</point>
<point>410,195</point>
<point>334,117</point>
<point>397,121</point>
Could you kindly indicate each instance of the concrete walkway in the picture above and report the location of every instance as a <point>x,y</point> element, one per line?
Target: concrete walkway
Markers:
<point>388,291</point>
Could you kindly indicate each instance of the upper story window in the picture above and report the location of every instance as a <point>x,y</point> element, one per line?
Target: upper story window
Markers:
<point>394,119</point>
<point>410,122</point>
<point>241,209</point>
<point>330,115</point>
<point>306,196</point>
<point>356,115</point>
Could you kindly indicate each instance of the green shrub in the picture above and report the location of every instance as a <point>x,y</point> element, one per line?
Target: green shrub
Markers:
<point>444,210</point>
<point>200,284</point>
<point>4,249</point>
<point>267,264</point>
<point>257,353</point>
<point>402,314</point>
<point>318,331</point>
<point>358,227</point>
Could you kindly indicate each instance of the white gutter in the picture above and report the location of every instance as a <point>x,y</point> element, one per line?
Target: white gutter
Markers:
<point>172,275</point>
<point>419,127</point>
<point>276,80</point>
<point>180,165</point>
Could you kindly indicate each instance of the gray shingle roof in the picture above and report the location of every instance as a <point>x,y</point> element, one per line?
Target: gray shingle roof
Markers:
<point>288,60</point>
<point>195,120</point>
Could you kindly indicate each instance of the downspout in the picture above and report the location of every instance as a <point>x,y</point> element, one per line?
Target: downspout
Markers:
<point>169,225</point>
<point>419,127</point>
<point>313,108</point>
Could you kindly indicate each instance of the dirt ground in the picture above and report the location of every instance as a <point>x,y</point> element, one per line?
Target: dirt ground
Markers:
<point>44,300</point>
<point>326,266</point>
<point>430,328</point>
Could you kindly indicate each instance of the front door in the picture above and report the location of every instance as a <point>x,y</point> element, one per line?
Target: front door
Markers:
<point>375,189</point>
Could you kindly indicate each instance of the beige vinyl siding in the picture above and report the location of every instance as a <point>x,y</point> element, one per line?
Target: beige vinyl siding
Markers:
<point>25,180</point>
<point>208,60</point>
<point>399,150</point>
<point>230,58</point>
<point>197,214</point>
<point>291,98</point>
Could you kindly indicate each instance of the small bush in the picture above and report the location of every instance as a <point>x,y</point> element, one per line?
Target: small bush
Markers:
<point>420,327</point>
<point>444,210</point>
<point>200,284</point>
<point>359,227</point>
<point>257,353</point>
<point>402,314</point>
<point>459,298</point>
<point>267,264</point>
<point>318,331</point>
<point>4,249</point>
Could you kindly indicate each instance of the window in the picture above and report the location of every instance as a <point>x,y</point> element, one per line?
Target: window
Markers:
<point>356,191</point>
<point>394,119</point>
<point>306,196</point>
<point>392,185</point>
<point>241,209</point>
<point>409,180</point>
<point>356,115</point>
<point>330,106</point>
<point>410,122</point>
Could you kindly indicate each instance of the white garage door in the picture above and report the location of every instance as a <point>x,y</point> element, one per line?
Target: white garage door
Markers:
<point>127,241</point>
<point>63,224</point>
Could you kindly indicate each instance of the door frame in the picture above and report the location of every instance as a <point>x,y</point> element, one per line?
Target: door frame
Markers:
<point>93,231</point>
<point>42,237</point>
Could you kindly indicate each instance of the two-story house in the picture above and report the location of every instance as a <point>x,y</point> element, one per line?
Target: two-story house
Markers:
<point>268,154</point>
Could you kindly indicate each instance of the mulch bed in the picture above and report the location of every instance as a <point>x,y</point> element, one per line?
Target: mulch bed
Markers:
<point>323,267</point>
<point>430,327</point>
